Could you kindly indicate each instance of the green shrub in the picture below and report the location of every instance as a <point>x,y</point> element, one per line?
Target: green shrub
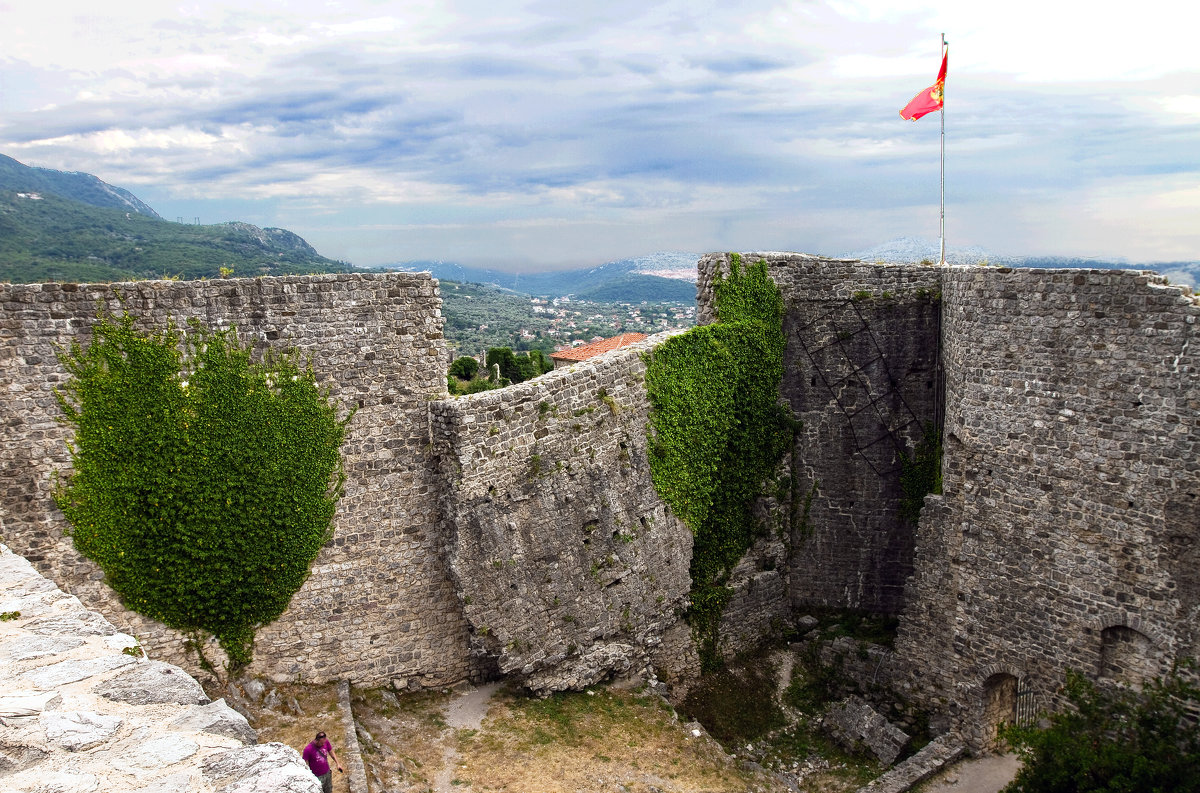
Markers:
<point>518,368</point>
<point>464,368</point>
<point>504,358</point>
<point>458,387</point>
<point>920,475</point>
<point>1112,738</point>
<point>204,485</point>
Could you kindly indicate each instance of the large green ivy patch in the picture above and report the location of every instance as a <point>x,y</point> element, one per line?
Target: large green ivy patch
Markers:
<point>718,431</point>
<point>204,484</point>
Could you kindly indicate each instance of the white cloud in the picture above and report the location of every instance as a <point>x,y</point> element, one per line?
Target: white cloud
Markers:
<point>683,124</point>
<point>1184,109</point>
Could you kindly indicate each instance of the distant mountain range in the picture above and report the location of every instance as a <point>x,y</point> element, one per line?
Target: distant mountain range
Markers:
<point>915,249</point>
<point>671,276</point>
<point>658,277</point>
<point>69,226</point>
<point>77,186</point>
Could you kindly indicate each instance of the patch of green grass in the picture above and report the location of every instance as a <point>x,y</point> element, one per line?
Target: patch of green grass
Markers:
<point>736,704</point>
<point>569,718</point>
<point>858,625</point>
<point>425,705</point>
<point>813,686</point>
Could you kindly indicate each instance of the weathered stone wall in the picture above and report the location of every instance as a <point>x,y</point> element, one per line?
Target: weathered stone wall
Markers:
<point>380,602</point>
<point>861,373</point>
<point>568,564</point>
<point>1072,469</point>
<point>519,531</point>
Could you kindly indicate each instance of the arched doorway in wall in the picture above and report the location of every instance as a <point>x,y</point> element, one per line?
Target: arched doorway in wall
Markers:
<point>1127,656</point>
<point>999,706</point>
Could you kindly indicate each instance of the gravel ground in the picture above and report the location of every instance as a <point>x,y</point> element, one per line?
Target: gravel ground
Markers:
<point>977,775</point>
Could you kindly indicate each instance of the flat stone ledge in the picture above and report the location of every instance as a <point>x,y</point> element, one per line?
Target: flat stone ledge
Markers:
<point>356,771</point>
<point>81,710</point>
<point>935,756</point>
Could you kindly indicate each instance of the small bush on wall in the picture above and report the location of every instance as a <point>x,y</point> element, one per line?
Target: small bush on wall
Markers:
<point>204,484</point>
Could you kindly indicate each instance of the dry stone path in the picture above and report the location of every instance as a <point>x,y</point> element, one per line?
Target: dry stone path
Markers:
<point>978,775</point>
<point>465,712</point>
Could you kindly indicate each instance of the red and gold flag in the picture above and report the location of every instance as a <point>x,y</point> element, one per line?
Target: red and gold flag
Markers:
<point>930,99</point>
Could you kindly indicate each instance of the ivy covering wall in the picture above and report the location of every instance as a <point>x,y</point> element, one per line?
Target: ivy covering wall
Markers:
<point>718,431</point>
<point>920,474</point>
<point>204,484</point>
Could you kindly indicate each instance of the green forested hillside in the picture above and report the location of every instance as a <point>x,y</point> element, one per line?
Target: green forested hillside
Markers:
<point>55,238</point>
<point>634,288</point>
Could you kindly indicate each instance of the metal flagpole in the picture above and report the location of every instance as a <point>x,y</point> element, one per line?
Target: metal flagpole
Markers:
<point>942,229</point>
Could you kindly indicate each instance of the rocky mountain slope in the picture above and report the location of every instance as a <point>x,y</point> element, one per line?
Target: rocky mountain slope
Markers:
<point>60,226</point>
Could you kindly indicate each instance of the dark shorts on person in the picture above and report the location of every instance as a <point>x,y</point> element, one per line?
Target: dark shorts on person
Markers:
<point>326,782</point>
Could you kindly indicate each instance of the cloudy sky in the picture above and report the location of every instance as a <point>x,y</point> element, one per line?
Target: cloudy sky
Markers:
<point>549,134</point>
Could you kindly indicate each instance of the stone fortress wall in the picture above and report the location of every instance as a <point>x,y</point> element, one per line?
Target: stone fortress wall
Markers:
<point>1067,532</point>
<point>567,561</point>
<point>861,374</point>
<point>380,603</point>
<point>518,531</point>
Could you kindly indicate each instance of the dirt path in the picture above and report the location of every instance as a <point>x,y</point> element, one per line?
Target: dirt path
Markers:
<point>979,775</point>
<point>465,712</point>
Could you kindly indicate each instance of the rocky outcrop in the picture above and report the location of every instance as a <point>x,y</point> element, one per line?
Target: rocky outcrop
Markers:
<point>82,709</point>
<point>153,683</point>
<point>273,239</point>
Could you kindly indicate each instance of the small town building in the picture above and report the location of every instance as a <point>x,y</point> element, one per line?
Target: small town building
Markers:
<point>577,354</point>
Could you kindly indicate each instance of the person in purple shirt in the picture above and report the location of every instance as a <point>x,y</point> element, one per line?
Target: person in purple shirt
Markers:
<point>315,755</point>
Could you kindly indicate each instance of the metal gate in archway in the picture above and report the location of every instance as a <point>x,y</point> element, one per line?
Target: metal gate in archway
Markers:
<point>1027,713</point>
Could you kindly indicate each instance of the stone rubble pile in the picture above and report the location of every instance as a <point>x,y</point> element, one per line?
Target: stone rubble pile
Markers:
<point>82,709</point>
<point>854,723</point>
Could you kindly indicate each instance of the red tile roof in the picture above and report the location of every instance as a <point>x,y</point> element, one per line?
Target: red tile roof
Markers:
<point>595,348</point>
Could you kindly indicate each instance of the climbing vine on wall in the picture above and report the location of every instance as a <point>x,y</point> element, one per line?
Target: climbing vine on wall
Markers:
<point>204,484</point>
<point>920,474</point>
<point>718,431</point>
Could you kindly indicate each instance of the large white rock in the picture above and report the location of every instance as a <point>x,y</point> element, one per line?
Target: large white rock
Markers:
<point>103,721</point>
<point>164,750</point>
<point>175,783</point>
<point>64,672</point>
<point>77,730</point>
<point>217,718</point>
<point>26,648</point>
<point>20,705</point>
<point>153,683</point>
<point>61,782</point>
<point>88,623</point>
<point>266,768</point>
